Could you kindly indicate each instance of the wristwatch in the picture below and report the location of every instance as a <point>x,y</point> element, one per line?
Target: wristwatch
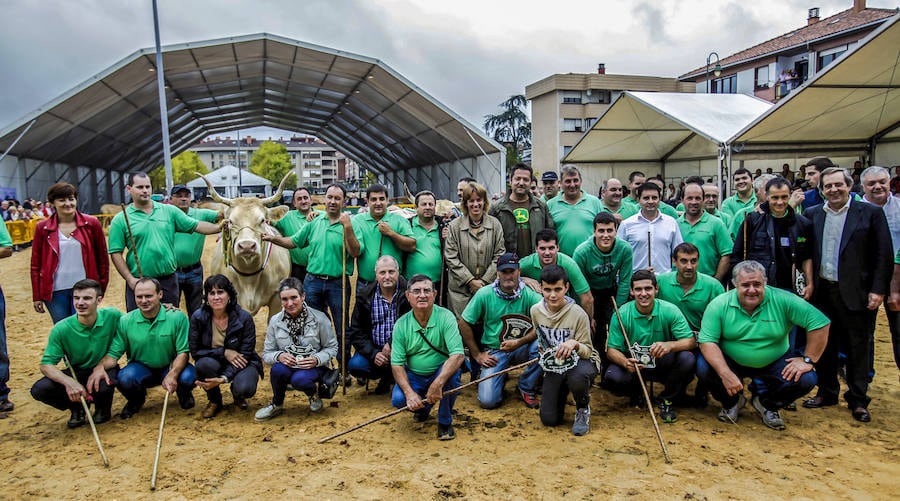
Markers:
<point>808,361</point>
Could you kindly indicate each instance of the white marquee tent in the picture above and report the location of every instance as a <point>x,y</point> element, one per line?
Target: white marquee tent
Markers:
<point>225,181</point>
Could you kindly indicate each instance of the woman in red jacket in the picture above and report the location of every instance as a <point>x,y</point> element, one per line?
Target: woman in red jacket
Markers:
<point>67,247</point>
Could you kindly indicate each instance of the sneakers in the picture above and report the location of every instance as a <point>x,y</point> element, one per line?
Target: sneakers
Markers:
<point>78,418</point>
<point>667,412</point>
<point>730,415</point>
<point>315,403</point>
<point>211,410</point>
<point>268,412</point>
<point>529,398</point>
<point>772,419</point>
<point>445,432</point>
<point>582,421</point>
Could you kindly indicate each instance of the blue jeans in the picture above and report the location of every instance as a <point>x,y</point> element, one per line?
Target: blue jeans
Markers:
<point>420,385</point>
<point>4,355</point>
<point>135,378</point>
<point>490,392</point>
<point>191,285</point>
<point>322,294</point>
<point>60,305</point>
<point>359,366</point>
<point>774,393</point>
<point>301,379</point>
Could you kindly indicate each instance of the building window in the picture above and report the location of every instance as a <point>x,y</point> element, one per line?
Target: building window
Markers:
<point>571,96</point>
<point>567,149</point>
<point>589,122</point>
<point>724,85</point>
<point>572,125</point>
<point>762,77</point>
<point>827,56</point>
<point>597,96</point>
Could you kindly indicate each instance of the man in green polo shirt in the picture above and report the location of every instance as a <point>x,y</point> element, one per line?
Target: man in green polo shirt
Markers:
<point>84,338</point>
<point>380,233</point>
<point>711,203</point>
<point>744,198</point>
<point>156,342</point>
<point>686,287</point>
<point>611,192</point>
<point>152,226</point>
<point>706,232</point>
<point>504,308</point>
<point>293,222</point>
<point>745,334</point>
<point>428,259</point>
<point>6,404</point>
<point>635,180</point>
<point>661,344</point>
<point>547,253</point>
<point>426,354</point>
<point>573,211</point>
<point>189,249</point>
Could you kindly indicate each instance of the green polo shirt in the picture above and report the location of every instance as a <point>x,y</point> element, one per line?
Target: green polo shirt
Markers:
<point>84,346</point>
<point>574,222</point>
<point>486,307</point>
<point>732,205</point>
<point>734,227</point>
<point>759,339</point>
<point>604,270</point>
<point>189,246</point>
<point>725,218</point>
<point>376,244</point>
<point>154,237</point>
<point>326,243</point>
<point>896,258</point>
<point>5,239</point>
<point>291,224</point>
<point>427,259</point>
<point>625,210</point>
<point>153,342</point>
<point>530,266</point>
<point>410,350</point>
<point>667,209</point>
<point>693,302</point>
<point>665,323</point>
<point>711,238</point>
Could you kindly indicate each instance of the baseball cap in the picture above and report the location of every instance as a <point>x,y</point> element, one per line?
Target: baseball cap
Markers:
<point>549,176</point>
<point>821,163</point>
<point>179,187</point>
<point>508,261</point>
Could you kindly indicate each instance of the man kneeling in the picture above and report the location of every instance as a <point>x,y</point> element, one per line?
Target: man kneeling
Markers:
<point>426,354</point>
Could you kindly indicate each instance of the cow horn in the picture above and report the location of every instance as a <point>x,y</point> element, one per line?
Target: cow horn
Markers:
<point>215,194</point>
<point>277,195</point>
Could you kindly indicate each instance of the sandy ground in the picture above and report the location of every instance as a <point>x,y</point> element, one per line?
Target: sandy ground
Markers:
<point>504,453</point>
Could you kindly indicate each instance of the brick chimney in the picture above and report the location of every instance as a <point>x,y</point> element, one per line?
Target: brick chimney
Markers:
<point>813,16</point>
<point>859,5</point>
<point>601,69</point>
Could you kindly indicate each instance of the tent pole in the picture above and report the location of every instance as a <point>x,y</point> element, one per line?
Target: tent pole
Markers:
<point>163,106</point>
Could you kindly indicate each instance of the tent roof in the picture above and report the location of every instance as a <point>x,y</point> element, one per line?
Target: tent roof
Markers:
<point>357,104</point>
<point>228,176</point>
<point>851,103</point>
<point>658,126</point>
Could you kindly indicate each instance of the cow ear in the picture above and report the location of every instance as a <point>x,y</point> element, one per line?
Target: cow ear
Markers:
<point>276,213</point>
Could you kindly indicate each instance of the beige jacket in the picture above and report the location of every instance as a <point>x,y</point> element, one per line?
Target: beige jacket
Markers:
<point>469,255</point>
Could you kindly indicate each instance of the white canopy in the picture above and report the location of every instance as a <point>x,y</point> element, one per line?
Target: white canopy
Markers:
<point>225,181</point>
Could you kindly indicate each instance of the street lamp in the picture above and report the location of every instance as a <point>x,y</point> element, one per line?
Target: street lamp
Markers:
<point>717,70</point>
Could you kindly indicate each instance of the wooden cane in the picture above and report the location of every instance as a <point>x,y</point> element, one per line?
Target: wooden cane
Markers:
<point>649,251</point>
<point>448,392</point>
<point>637,370</point>
<point>745,236</point>
<point>87,412</point>
<point>137,261</point>
<point>162,422</point>
<point>344,354</point>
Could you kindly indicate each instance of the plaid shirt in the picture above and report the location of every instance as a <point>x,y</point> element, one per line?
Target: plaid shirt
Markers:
<point>384,315</point>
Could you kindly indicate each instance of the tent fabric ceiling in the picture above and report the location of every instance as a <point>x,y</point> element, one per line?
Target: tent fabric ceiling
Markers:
<point>855,101</point>
<point>659,126</point>
<point>357,104</point>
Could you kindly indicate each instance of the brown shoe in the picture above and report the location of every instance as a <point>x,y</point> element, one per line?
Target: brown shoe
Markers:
<point>211,410</point>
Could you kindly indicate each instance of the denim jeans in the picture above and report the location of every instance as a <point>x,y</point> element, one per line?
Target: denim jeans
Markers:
<point>4,355</point>
<point>774,393</point>
<point>60,305</point>
<point>322,294</point>
<point>191,285</point>
<point>301,379</point>
<point>135,378</point>
<point>490,392</point>
<point>420,385</point>
<point>360,366</point>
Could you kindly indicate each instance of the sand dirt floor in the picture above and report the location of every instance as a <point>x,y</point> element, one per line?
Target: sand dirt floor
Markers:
<point>500,454</point>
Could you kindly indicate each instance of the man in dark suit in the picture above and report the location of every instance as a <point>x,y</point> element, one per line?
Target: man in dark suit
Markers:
<point>852,269</point>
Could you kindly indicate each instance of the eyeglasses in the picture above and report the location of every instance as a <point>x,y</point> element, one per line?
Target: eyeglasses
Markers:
<point>421,292</point>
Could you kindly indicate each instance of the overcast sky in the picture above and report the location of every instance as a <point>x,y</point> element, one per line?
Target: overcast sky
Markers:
<point>469,54</point>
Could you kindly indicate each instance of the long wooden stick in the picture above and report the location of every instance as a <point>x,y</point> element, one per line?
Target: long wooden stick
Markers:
<point>406,407</point>
<point>162,422</point>
<point>344,355</point>
<point>137,260</point>
<point>649,251</point>
<point>637,370</point>
<point>87,412</point>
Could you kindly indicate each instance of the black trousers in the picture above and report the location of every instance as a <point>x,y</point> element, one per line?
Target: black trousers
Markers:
<point>893,318</point>
<point>603,312</point>
<point>243,386</point>
<point>298,272</point>
<point>54,394</point>
<point>557,387</point>
<point>674,370</point>
<point>852,331</point>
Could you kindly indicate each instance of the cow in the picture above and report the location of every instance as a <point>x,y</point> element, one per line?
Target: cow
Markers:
<point>253,266</point>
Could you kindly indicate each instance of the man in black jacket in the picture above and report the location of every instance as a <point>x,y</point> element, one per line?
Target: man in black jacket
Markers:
<point>853,264</point>
<point>378,306</point>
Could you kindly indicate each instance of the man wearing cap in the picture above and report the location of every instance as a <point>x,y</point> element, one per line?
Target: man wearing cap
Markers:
<point>291,224</point>
<point>521,214</point>
<point>573,211</point>
<point>189,249</point>
<point>550,180</point>
<point>504,308</point>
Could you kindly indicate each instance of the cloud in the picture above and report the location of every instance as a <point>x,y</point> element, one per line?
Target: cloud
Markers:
<point>653,21</point>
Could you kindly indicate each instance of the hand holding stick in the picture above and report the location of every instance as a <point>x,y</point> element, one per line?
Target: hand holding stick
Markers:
<point>87,412</point>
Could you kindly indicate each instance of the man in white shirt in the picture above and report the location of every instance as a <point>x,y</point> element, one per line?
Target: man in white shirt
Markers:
<point>651,234</point>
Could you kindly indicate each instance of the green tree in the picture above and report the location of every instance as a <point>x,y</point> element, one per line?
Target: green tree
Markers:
<point>272,161</point>
<point>184,165</point>
<point>511,127</point>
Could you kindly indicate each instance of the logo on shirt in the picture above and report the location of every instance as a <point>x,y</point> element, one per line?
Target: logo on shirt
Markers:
<point>521,215</point>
